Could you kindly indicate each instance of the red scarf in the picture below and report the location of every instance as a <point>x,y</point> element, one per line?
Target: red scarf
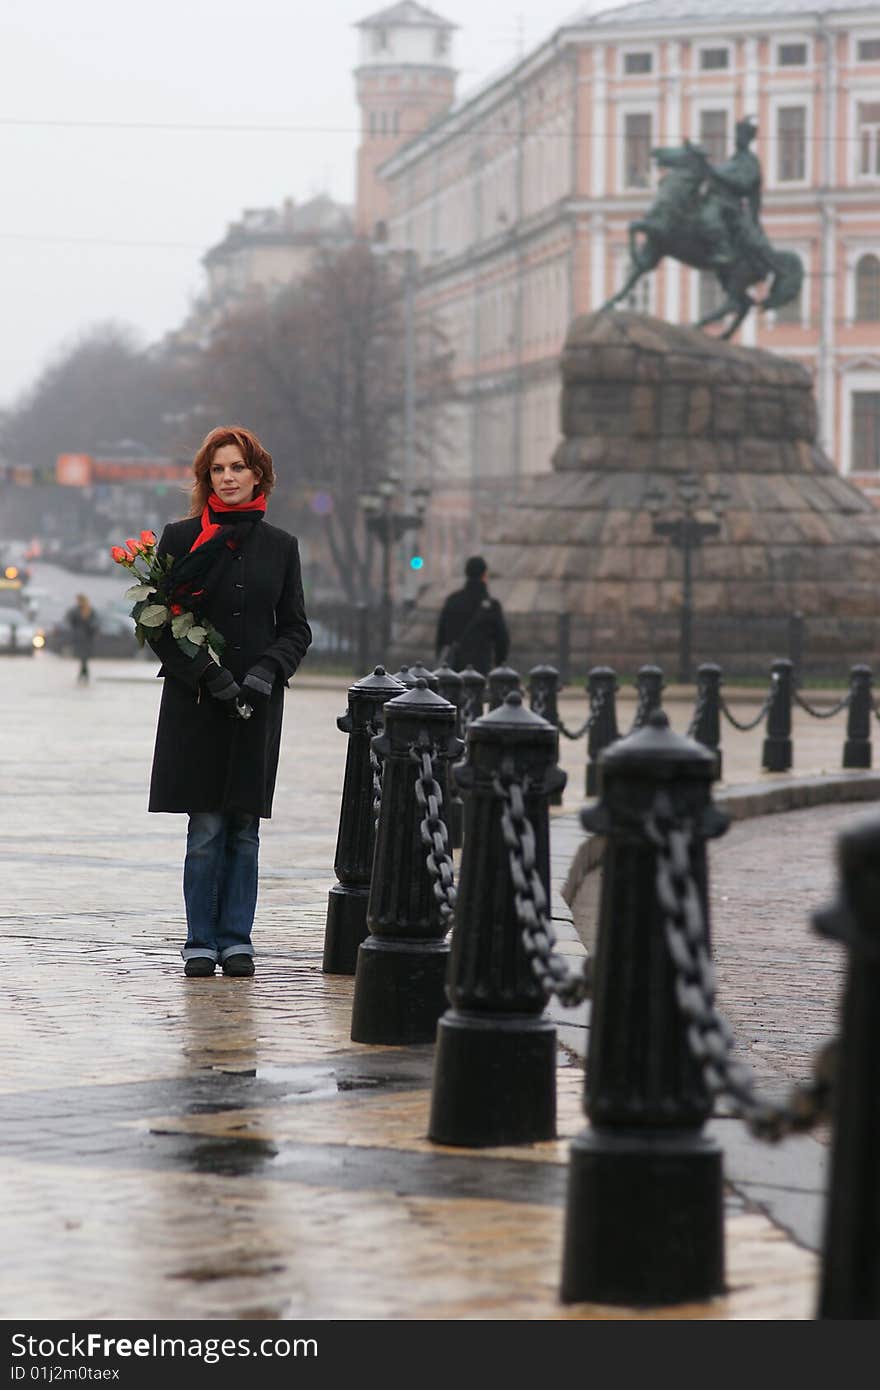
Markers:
<point>218,506</point>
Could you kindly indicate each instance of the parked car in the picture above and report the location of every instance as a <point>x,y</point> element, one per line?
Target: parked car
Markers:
<point>19,635</point>
<point>115,635</point>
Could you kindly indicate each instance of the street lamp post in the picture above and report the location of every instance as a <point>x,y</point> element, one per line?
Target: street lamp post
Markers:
<point>686,531</point>
<point>389,526</point>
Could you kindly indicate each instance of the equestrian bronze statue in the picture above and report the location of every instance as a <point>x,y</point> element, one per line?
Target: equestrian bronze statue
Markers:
<point>708,217</point>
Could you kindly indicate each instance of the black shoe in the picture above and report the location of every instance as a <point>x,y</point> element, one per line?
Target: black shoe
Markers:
<point>239,964</point>
<point>198,966</point>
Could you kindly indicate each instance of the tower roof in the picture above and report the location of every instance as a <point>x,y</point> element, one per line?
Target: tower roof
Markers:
<point>407,14</point>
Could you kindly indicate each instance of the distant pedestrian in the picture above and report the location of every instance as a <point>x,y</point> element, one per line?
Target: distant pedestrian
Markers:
<point>83,624</point>
<point>471,630</point>
<point>219,732</point>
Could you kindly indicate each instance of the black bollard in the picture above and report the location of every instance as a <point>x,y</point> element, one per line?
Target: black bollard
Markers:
<point>857,748</point>
<point>544,687</point>
<point>706,723</point>
<point>850,1279</point>
<point>473,696</point>
<point>449,685</point>
<point>649,685</point>
<point>601,688</point>
<point>776,755</point>
<point>500,681</point>
<point>347,906</point>
<point>419,671</point>
<point>644,1222</point>
<point>404,677</point>
<point>401,967</point>
<point>495,1066</point>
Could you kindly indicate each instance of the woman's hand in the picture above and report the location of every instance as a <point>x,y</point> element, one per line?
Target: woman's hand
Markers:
<point>257,685</point>
<point>224,688</point>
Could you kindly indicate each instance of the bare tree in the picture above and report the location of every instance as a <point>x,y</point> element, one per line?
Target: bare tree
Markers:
<point>99,390</point>
<point>320,366</point>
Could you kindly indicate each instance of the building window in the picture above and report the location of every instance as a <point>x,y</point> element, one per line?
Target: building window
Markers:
<point>441,42</point>
<point>713,134</point>
<point>710,295</point>
<point>712,59</point>
<point>372,123</point>
<point>395,123</point>
<point>868,51</point>
<point>791,135</point>
<point>792,55</point>
<point>868,289</point>
<point>865,431</point>
<point>637,63</point>
<point>637,149</point>
<point>380,40</point>
<point>868,120</point>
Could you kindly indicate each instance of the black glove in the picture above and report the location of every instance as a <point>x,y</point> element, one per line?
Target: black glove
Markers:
<point>224,688</point>
<point>257,685</point>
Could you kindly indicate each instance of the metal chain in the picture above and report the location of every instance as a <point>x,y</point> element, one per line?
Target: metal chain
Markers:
<point>469,712</point>
<point>434,833</point>
<point>641,711</point>
<point>709,1036</point>
<point>699,711</point>
<point>597,704</point>
<point>744,727</point>
<point>821,713</point>
<point>530,899</point>
<point>376,766</point>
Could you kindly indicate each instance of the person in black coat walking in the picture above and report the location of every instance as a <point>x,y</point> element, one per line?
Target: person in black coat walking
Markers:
<point>83,624</point>
<point>219,730</point>
<point>471,630</point>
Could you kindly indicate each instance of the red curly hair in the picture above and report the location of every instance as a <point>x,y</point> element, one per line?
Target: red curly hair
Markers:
<point>252,451</point>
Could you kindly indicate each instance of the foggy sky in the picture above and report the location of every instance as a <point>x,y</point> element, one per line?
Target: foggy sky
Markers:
<point>110,223</point>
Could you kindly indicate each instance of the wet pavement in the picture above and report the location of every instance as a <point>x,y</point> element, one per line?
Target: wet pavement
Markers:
<point>210,1149</point>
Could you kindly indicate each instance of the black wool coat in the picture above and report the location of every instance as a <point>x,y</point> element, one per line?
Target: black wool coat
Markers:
<point>474,622</point>
<point>203,760</point>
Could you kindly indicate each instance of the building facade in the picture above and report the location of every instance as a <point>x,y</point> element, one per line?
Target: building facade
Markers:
<point>517,203</point>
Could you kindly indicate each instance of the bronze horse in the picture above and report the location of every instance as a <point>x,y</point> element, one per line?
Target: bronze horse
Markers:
<point>678,224</point>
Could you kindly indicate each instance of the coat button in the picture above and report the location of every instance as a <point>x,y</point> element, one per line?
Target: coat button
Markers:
<point>237,614</point>
<point>239,586</point>
<point>237,647</point>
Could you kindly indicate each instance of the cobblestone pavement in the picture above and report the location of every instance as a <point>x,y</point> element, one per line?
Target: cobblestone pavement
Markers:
<point>175,1148</point>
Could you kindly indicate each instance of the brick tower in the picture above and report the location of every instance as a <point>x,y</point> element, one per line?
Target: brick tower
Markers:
<point>404,80</point>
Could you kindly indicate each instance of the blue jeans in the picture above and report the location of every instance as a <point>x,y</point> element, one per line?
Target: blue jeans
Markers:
<point>220,884</point>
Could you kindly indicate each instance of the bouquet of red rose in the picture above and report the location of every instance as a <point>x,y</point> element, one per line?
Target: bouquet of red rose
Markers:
<point>158,605</point>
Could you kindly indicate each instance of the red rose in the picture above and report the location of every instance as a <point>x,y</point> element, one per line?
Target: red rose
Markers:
<point>118,554</point>
<point>175,609</point>
<point>148,537</point>
<point>133,546</point>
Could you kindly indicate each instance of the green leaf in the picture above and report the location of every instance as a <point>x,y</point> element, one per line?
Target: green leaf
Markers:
<point>187,647</point>
<point>181,623</point>
<point>154,615</point>
<point>196,635</point>
<point>139,591</point>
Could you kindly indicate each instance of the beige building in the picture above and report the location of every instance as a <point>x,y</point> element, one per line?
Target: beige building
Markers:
<point>266,249</point>
<point>517,202</point>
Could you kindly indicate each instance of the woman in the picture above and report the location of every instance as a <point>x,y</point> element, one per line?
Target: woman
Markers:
<point>219,729</point>
<point>83,625</point>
